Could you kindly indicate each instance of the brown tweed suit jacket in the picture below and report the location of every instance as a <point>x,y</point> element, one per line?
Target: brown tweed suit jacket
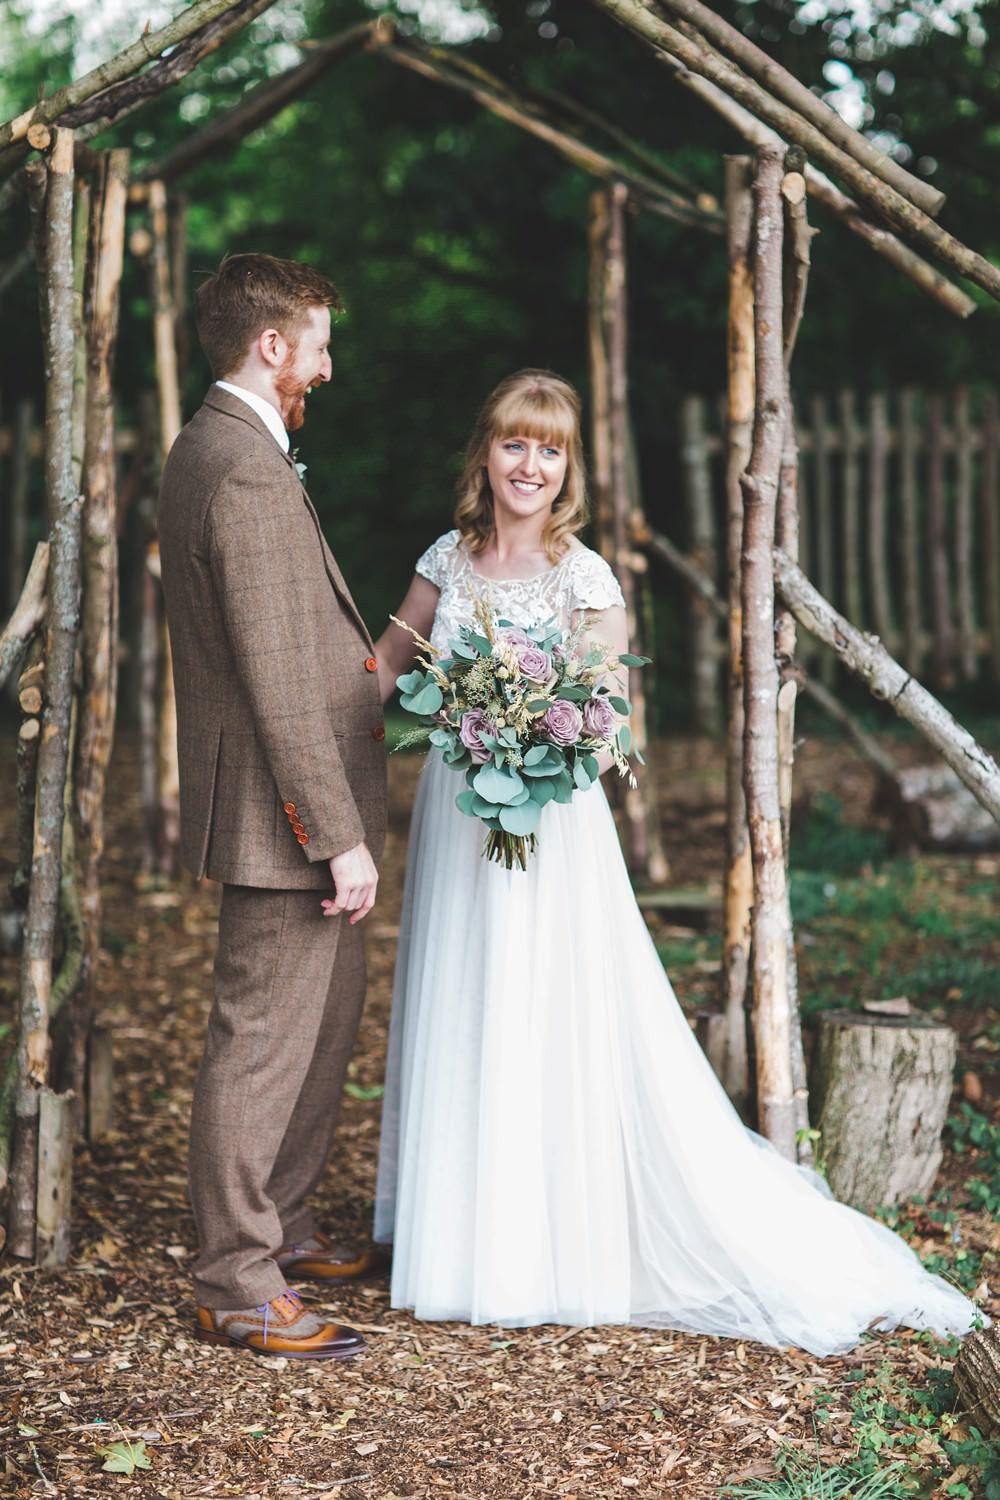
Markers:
<point>279,720</point>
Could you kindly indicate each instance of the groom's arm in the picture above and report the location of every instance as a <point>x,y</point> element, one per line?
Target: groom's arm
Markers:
<point>264,555</point>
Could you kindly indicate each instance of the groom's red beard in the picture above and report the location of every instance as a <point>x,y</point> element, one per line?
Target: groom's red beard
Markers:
<point>291,394</point>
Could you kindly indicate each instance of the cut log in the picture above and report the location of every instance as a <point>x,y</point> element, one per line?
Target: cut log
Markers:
<point>56,1116</point>
<point>881,1086</point>
<point>929,808</point>
<point>977,1378</point>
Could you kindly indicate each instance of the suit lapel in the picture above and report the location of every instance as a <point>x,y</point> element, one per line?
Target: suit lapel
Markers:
<point>232,406</point>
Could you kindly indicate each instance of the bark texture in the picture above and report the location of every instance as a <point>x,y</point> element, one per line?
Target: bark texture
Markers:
<point>61,637</point>
<point>738,897</point>
<point>776,1105</point>
<point>868,659</point>
<point>881,1087</point>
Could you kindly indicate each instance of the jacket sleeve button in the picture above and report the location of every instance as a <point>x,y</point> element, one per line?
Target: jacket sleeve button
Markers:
<point>371,665</point>
<point>378,733</point>
<point>289,808</point>
<point>303,838</point>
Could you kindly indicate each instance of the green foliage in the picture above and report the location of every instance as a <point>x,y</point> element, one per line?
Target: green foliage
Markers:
<point>824,841</point>
<point>977,1137</point>
<point>802,1478</point>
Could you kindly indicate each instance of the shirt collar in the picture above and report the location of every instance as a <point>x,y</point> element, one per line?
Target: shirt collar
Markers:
<point>267,413</point>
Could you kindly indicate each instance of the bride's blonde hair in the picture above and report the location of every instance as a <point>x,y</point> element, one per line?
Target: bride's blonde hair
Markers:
<point>533,404</point>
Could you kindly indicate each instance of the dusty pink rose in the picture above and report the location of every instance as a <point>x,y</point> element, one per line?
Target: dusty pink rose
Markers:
<point>600,718</point>
<point>515,637</point>
<point>535,663</point>
<point>473,724</point>
<point>564,722</point>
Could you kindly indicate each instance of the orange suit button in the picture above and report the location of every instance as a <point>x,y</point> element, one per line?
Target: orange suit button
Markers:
<point>371,665</point>
<point>303,838</point>
<point>289,808</point>
<point>378,733</point>
<point>297,826</point>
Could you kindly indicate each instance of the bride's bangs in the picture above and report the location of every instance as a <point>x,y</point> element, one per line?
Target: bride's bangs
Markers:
<point>544,416</point>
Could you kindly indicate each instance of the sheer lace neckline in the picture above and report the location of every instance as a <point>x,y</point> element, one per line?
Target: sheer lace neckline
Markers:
<point>528,577</point>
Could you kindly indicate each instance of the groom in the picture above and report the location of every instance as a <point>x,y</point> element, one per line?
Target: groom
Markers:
<point>282,800</point>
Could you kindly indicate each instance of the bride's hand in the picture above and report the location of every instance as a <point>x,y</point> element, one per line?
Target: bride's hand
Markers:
<point>395,649</point>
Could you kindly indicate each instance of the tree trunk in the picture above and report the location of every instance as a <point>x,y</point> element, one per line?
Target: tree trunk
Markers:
<point>704,642</point>
<point>56,1115</point>
<point>164,320</point>
<point>33,1045</point>
<point>867,658</point>
<point>769,937</point>
<point>824,532</point>
<point>598,229</point>
<point>977,1378</point>
<point>882,1086</point>
<point>100,1083</point>
<point>99,637</point>
<point>738,901</point>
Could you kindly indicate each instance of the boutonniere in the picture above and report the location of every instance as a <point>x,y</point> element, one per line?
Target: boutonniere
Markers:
<point>300,467</point>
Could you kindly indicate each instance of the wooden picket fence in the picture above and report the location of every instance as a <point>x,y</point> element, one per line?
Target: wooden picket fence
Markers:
<point>899,498</point>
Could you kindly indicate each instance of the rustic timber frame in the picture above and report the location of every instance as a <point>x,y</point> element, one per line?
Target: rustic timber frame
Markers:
<point>62,784</point>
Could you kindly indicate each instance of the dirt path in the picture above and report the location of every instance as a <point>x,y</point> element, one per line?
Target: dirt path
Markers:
<point>104,1351</point>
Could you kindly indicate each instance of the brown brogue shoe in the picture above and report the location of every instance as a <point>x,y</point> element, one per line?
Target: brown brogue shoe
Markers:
<point>281,1327</point>
<point>321,1259</point>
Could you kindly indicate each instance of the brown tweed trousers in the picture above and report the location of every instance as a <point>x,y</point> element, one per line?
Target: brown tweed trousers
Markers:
<point>282,767</point>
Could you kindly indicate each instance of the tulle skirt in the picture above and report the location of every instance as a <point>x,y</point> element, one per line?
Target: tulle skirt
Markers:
<point>555,1146</point>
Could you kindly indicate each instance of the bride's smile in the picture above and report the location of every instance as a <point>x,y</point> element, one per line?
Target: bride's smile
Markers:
<point>525,475</point>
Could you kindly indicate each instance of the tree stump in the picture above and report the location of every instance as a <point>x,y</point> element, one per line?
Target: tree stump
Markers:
<point>881,1087</point>
<point>977,1378</point>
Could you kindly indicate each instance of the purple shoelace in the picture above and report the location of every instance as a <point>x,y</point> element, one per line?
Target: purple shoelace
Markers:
<point>265,1308</point>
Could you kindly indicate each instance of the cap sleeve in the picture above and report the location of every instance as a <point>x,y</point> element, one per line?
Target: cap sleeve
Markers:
<point>435,563</point>
<point>594,584</point>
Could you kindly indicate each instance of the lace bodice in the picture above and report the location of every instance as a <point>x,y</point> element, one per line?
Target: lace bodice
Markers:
<point>581,580</point>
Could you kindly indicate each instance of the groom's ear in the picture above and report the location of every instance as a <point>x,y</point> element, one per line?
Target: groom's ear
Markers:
<point>272,347</point>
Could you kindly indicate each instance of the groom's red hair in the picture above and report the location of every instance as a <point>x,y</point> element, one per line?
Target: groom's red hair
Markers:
<point>249,293</point>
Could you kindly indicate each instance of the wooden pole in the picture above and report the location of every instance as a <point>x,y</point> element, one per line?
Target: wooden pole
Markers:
<point>824,531</point>
<point>850,440</point>
<point>795,280</point>
<point>19,475</point>
<point>703,642</point>
<point>598,229</point>
<point>942,643</point>
<point>989,502</point>
<point>56,1134</point>
<point>964,572</point>
<point>61,637</point>
<point>866,657</point>
<point>913,653</point>
<point>699,57</point>
<point>695,17</point>
<point>769,935</point>
<point>99,639</point>
<point>81,230</point>
<point>645,854</point>
<point>27,767</point>
<point>27,615</point>
<point>878,520</point>
<point>168,386</point>
<point>738,899</point>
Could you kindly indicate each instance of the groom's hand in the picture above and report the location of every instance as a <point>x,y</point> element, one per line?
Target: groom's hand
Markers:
<point>355,881</point>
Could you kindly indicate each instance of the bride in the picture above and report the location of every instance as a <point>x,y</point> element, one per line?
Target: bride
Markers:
<point>555,1147</point>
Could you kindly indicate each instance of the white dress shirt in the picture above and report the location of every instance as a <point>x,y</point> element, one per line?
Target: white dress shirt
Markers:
<point>267,413</point>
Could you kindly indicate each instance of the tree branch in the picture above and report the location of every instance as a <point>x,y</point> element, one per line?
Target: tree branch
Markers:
<point>867,658</point>
<point>27,615</point>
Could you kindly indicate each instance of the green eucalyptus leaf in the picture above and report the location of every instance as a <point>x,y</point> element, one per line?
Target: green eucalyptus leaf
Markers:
<point>427,701</point>
<point>480,643</point>
<point>628,660</point>
<point>542,792</point>
<point>625,739</point>
<point>581,775</point>
<point>466,802</point>
<point>495,785</point>
<point>522,819</point>
<point>411,682</point>
<point>621,705</point>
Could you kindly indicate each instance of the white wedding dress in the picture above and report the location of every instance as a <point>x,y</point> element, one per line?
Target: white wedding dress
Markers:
<point>555,1147</point>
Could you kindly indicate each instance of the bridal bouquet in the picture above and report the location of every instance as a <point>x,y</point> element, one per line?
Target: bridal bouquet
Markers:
<point>524,714</point>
